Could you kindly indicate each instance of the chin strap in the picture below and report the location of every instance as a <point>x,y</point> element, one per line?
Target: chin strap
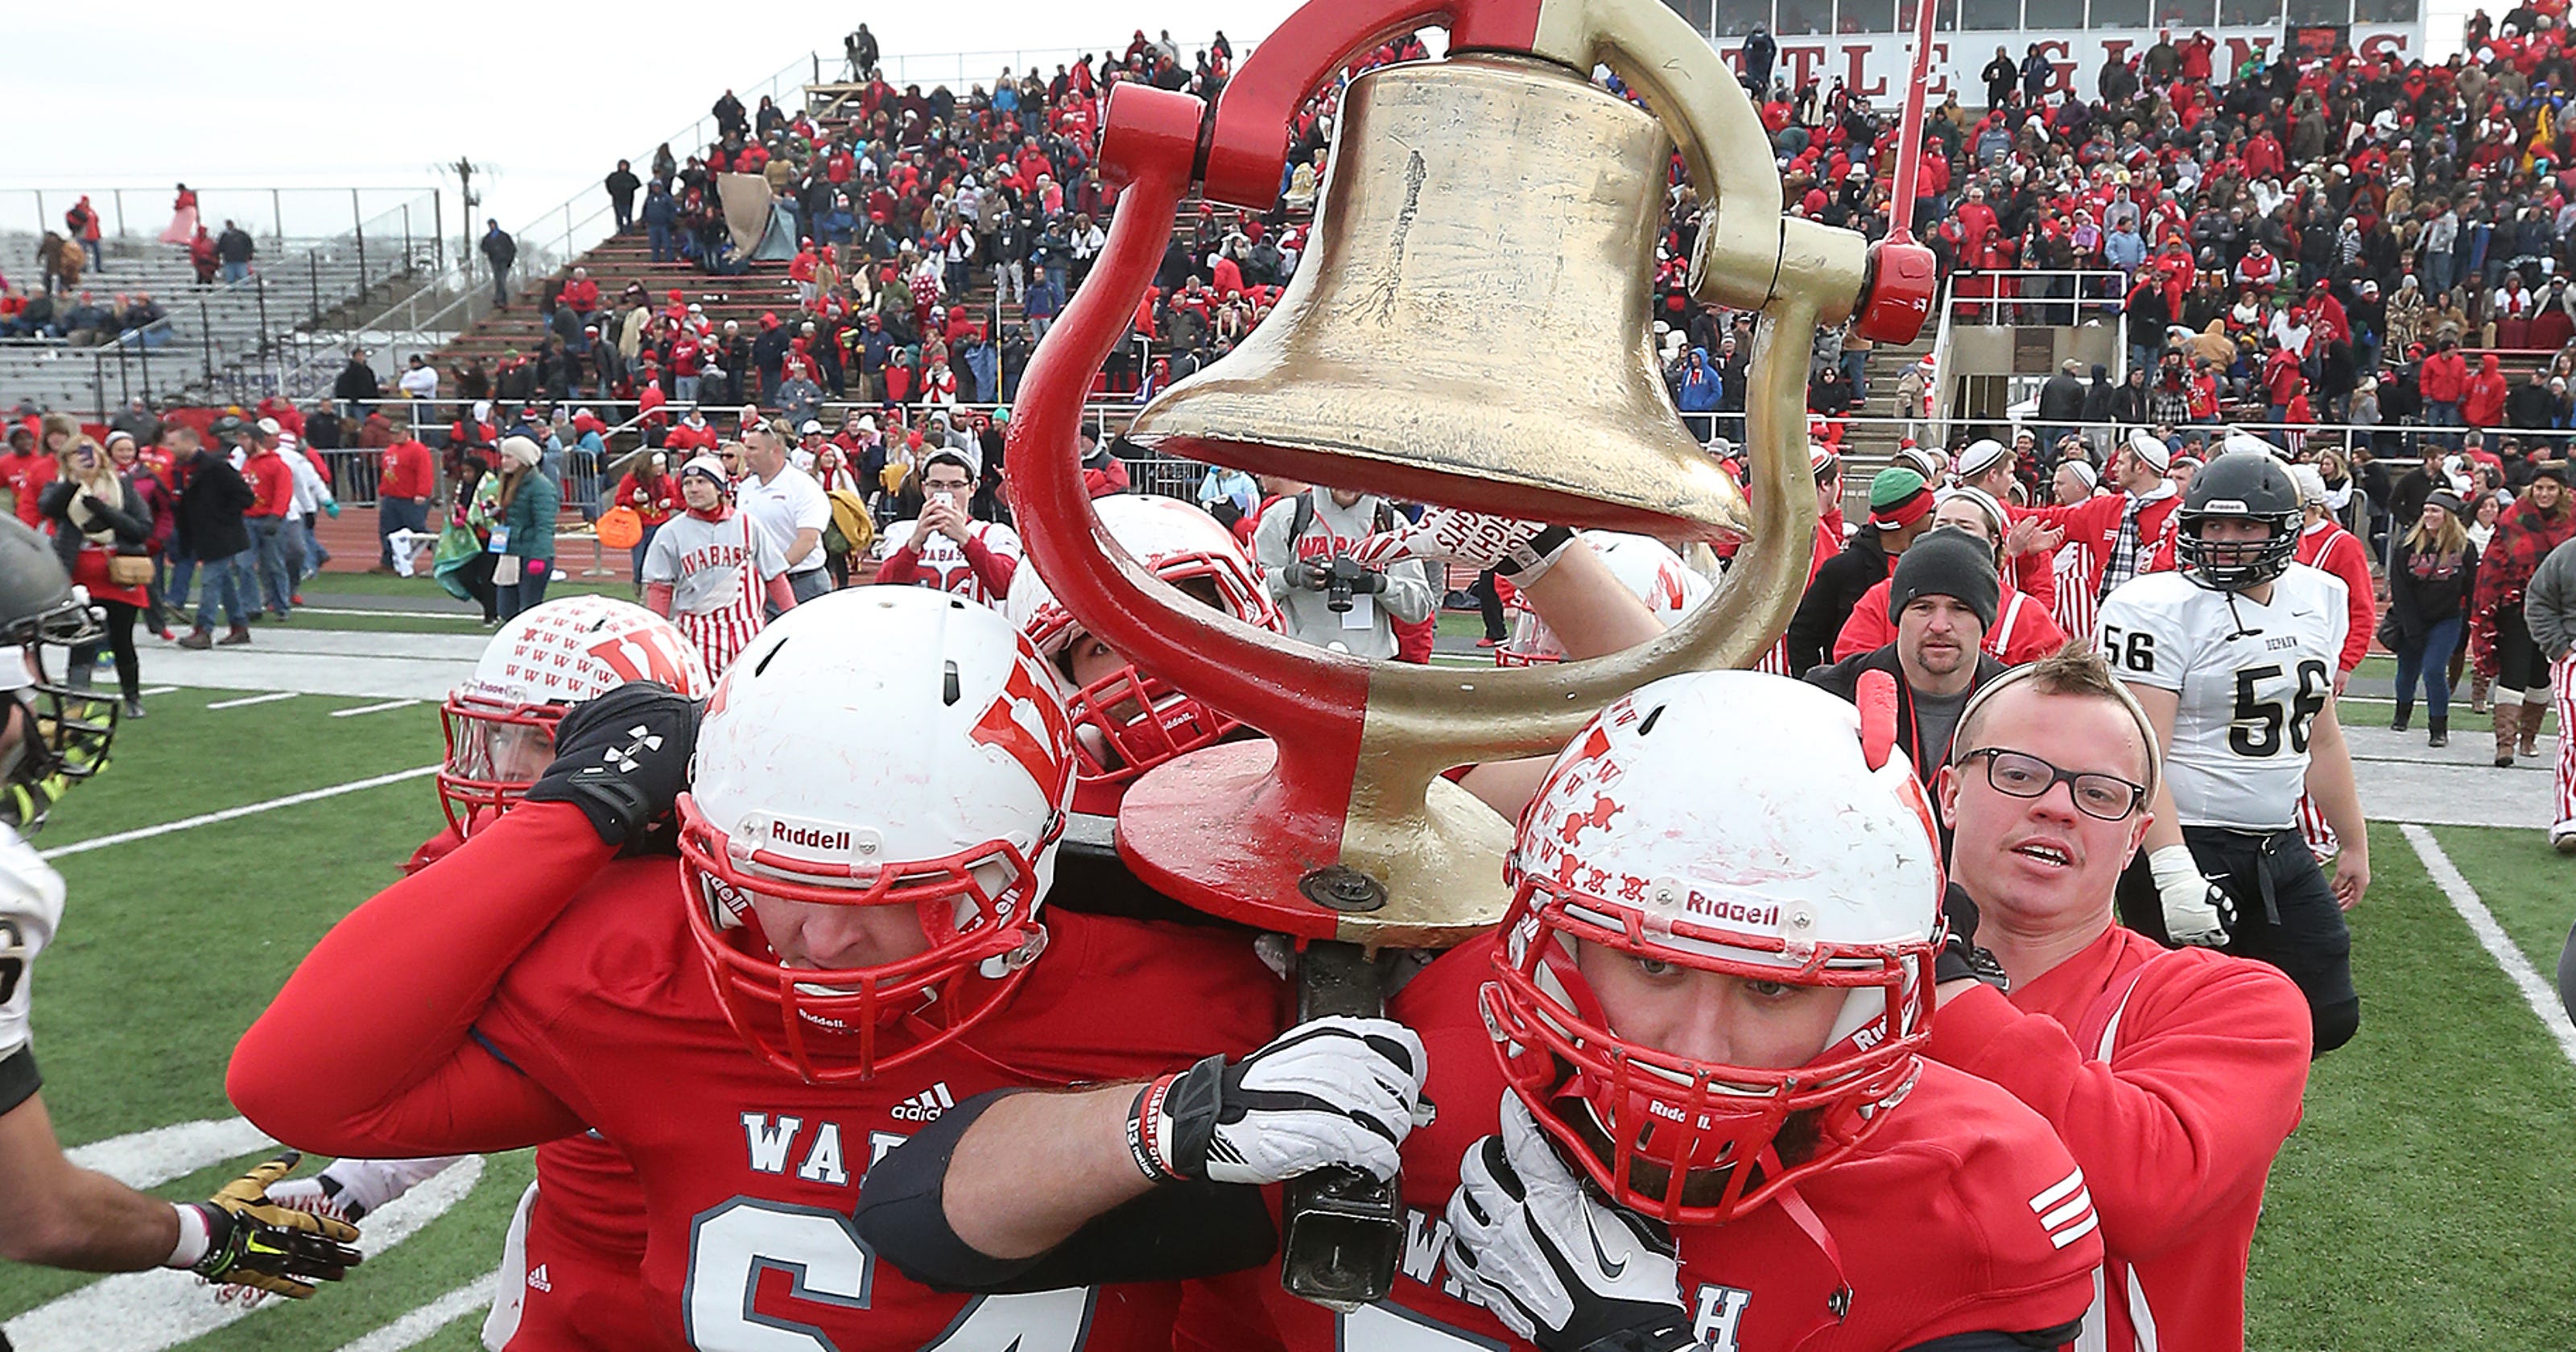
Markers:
<point>1838,1305</point>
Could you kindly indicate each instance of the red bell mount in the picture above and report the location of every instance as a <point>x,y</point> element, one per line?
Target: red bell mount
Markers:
<point>1904,277</point>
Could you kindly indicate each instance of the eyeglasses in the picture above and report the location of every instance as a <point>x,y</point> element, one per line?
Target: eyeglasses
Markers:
<point>2105,797</point>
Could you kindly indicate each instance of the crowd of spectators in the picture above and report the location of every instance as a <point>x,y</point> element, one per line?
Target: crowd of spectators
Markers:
<point>2345,239</point>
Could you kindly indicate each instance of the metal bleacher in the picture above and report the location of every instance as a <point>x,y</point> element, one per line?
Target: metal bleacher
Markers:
<point>217,341</point>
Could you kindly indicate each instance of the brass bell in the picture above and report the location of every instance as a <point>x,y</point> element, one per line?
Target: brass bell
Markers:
<point>1469,324</point>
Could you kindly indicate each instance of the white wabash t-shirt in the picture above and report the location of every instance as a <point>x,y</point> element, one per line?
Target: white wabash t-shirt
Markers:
<point>703,561</point>
<point>2251,683</point>
<point>31,905</point>
<point>945,559</point>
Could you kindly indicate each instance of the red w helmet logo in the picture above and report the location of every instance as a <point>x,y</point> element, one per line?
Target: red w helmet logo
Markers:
<point>1048,759</point>
<point>644,655</point>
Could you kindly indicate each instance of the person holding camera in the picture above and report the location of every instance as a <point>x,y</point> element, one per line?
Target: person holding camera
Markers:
<point>943,546</point>
<point>1326,597</point>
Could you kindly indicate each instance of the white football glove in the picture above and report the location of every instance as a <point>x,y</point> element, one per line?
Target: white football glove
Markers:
<point>1562,1268</point>
<point>1331,1091</point>
<point>1519,550</point>
<point>2198,912</point>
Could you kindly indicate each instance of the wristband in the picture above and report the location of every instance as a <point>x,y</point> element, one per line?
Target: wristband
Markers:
<point>1145,1124</point>
<point>1530,562</point>
<point>195,1237</point>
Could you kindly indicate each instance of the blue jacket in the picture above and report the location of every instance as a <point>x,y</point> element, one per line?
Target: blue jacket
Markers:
<point>1700,389</point>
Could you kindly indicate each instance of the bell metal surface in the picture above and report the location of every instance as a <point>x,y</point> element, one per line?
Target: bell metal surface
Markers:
<point>1470,323</point>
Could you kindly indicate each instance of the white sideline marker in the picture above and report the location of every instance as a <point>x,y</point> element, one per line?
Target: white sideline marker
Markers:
<point>422,1324</point>
<point>374,708</point>
<point>230,813</point>
<point>157,690</point>
<point>2539,994</point>
<point>247,700</point>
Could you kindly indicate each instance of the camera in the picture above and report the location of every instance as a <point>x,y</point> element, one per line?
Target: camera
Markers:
<point>1342,576</point>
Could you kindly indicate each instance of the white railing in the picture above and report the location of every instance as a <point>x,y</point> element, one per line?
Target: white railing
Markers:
<point>134,212</point>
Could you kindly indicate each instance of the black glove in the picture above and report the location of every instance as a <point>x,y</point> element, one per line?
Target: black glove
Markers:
<point>1536,557</point>
<point>1960,956</point>
<point>622,758</point>
<point>252,1241</point>
<point>1369,583</point>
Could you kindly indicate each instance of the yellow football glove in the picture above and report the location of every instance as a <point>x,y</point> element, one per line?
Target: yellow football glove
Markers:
<point>253,1241</point>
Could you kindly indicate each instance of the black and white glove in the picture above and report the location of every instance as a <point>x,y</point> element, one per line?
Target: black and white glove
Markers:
<point>1960,956</point>
<point>1519,550</point>
<point>2198,912</point>
<point>243,1237</point>
<point>1564,1269</point>
<point>1331,1091</point>
<point>622,758</point>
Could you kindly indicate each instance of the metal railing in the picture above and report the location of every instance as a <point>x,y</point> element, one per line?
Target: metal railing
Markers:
<point>2085,289</point>
<point>135,212</point>
<point>960,69</point>
<point>461,293</point>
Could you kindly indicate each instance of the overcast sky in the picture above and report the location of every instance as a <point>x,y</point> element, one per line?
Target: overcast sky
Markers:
<point>297,93</point>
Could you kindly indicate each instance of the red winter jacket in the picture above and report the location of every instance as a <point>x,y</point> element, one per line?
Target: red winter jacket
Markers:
<point>2444,377</point>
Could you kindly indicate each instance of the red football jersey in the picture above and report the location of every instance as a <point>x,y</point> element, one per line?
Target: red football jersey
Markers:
<point>584,1246</point>
<point>1962,1213</point>
<point>751,1177</point>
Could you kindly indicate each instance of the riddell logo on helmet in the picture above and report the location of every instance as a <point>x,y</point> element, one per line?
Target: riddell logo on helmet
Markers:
<point>1723,908</point>
<point>812,837</point>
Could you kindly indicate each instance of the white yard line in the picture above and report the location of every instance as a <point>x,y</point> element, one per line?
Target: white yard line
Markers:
<point>230,813</point>
<point>2539,994</point>
<point>424,1323</point>
<point>249,700</point>
<point>157,690</point>
<point>466,615</point>
<point>374,708</point>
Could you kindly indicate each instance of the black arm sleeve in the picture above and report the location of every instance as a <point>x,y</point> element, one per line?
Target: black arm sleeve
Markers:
<point>18,1078</point>
<point>1177,1231</point>
<point>1993,1341</point>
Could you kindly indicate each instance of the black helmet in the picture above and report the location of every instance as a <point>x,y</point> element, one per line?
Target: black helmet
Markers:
<point>61,735</point>
<point>2244,485</point>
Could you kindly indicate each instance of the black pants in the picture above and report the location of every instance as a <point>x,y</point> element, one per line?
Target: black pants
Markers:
<point>1490,601</point>
<point>476,574</point>
<point>120,640</point>
<point>2285,915</point>
<point>2520,665</point>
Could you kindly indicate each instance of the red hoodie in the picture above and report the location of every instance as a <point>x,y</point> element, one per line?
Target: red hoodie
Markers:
<point>2483,403</point>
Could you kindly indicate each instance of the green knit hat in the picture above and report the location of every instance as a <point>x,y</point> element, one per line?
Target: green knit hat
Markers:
<point>1897,498</point>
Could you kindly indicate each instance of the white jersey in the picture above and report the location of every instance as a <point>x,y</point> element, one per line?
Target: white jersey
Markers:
<point>2251,679</point>
<point>31,905</point>
<point>944,560</point>
<point>716,571</point>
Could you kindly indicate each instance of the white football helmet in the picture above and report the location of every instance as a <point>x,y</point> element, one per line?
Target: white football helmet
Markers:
<point>500,721</point>
<point>1126,722</point>
<point>1728,822</point>
<point>1643,564</point>
<point>878,746</point>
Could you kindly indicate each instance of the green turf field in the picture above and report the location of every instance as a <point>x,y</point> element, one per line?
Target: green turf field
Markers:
<point>2421,1206</point>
